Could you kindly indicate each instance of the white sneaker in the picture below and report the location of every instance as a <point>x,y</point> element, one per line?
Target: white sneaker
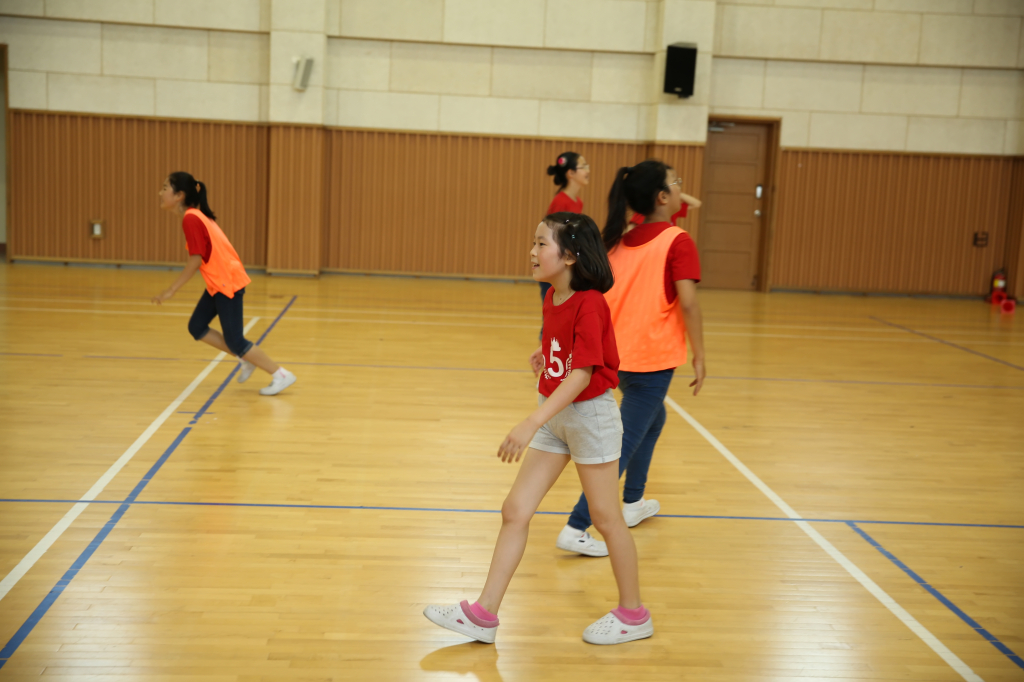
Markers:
<point>579,541</point>
<point>282,380</point>
<point>459,618</point>
<point>245,370</point>
<point>635,512</point>
<point>611,630</point>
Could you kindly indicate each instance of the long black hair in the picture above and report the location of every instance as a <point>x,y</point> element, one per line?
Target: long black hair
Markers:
<point>577,235</point>
<point>565,162</point>
<point>195,192</point>
<point>636,187</point>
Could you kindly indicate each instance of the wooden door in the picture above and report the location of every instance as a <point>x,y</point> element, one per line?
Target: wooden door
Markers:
<point>729,240</point>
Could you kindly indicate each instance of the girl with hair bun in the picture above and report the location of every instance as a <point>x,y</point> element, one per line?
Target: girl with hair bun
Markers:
<point>571,173</point>
<point>212,255</point>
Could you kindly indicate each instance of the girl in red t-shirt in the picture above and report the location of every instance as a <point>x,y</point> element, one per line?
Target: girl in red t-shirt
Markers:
<point>571,173</point>
<point>577,419</point>
<point>212,255</point>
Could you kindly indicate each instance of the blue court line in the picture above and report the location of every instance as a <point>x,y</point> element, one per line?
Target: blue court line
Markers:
<point>273,505</point>
<point>948,343</point>
<point>58,589</point>
<point>853,382</point>
<point>989,637</point>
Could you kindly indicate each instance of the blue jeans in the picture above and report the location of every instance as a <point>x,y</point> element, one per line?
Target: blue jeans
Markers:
<point>643,417</point>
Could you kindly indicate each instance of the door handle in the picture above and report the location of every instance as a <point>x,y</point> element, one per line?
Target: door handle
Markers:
<point>757,212</point>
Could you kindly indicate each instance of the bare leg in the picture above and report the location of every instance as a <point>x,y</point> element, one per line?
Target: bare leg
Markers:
<point>537,474</point>
<point>601,486</point>
<point>256,355</point>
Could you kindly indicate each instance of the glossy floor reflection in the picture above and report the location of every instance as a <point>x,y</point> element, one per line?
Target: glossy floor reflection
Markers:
<point>299,537</point>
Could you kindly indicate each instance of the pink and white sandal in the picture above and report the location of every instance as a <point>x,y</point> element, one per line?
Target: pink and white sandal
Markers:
<point>613,629</point>
<point>461,619</point>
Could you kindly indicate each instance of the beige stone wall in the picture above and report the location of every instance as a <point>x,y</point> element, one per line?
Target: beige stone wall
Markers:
<point>909,75</point>
<point>497,90</point>
<point>904,75</point>
<point>967,33</point>
<point>147,70</point>
<point>877,107</point>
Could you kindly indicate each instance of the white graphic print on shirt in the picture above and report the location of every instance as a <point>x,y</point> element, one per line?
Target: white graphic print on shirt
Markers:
<point>566,367</point>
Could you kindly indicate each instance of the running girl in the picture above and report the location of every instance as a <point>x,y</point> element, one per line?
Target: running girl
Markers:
<point>577,419</point>
<point>654,309</point>
<point>212,255</point>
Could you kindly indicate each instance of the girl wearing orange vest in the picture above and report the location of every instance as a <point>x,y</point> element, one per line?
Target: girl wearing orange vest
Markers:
<point>212,255</point>
<point>654,309</point>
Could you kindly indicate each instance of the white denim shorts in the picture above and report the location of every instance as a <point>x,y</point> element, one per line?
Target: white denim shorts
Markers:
<point>589,431</point>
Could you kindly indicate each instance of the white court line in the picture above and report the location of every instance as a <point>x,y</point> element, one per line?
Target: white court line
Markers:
<point>921,631</point>
<point>58,529</point>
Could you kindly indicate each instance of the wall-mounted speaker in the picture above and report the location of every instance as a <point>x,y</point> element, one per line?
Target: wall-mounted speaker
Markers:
<point>680,68</point>
<point>303,70</point>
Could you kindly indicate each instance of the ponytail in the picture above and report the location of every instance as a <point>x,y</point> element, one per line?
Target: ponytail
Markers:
<point>635,187</point>
<point>616,221</point>
<point>195,192</point>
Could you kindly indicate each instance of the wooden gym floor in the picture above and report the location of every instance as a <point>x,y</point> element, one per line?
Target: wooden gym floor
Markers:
<point>299,537</point>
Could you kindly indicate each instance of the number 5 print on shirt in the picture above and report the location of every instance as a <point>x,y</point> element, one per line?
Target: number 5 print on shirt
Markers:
<point>562,367</point>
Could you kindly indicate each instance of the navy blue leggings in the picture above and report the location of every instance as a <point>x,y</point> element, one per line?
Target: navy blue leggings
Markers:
<point>643,417</point>
<point>229,310</point>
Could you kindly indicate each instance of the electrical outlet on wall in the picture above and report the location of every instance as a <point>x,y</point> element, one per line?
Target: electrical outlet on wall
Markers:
<point>96,229</point>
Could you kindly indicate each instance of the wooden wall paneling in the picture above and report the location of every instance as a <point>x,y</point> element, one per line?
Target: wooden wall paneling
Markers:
<point>900,223</point>
<point>1013,260</point>
<point>295,199</point>
<point>67,169</point>
<point>449,204</point>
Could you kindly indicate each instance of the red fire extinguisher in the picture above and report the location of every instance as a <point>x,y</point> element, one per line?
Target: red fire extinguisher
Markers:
<point>997,293</point>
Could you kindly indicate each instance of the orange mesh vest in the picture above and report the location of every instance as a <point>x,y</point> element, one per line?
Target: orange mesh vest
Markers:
<point>224,273</point>
<point>649,331</point>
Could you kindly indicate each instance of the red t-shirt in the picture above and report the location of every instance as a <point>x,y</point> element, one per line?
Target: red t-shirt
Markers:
<point>197,237</point>
<point>682,261</point>
<point>563,202</point>
<point>637,219</point>
<point>578,333</point>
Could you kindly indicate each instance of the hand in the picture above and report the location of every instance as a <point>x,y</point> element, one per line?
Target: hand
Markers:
<point>537,361</point>
<point>162,296</point>
<point>516,442</point>
<point>699,374</point>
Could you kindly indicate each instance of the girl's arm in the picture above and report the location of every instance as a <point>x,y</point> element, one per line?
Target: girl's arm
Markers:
<point>519,438</point>
<point>687,291</point>
<point>190,269</point>
<point>537,361</point>
<point>691,201</point>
